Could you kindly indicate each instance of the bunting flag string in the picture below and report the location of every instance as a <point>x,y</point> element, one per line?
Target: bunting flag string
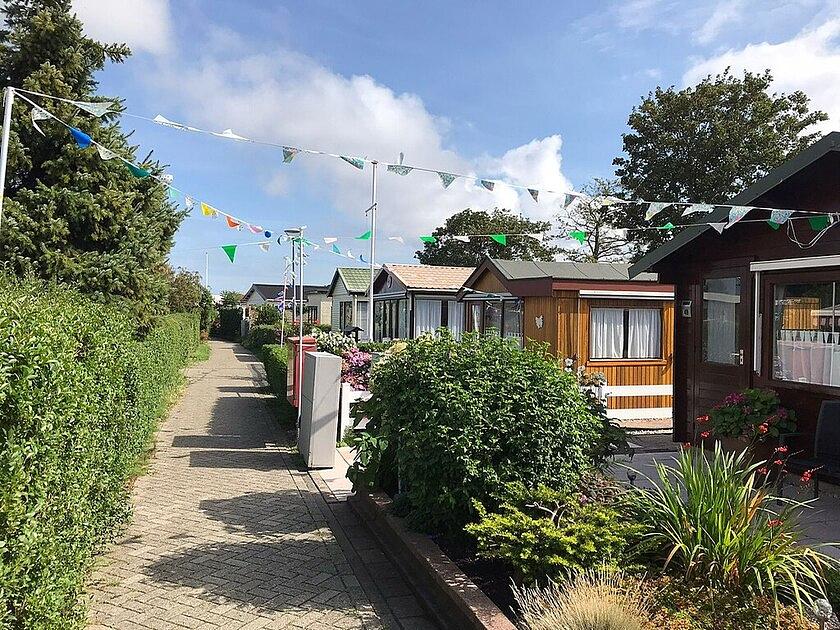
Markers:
<point>39,114</point>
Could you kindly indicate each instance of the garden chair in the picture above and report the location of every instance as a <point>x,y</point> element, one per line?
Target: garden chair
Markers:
<point>826,454</point>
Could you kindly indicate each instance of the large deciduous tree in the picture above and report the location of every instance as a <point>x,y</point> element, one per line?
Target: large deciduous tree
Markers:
<point>449,251</point>
<point>706,143</point>
<point>602,241</point>
<point>69,215</point>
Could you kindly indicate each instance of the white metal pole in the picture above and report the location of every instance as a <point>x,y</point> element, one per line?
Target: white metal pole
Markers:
<point>300,330</point>
<point>372,252</point>
<point>8,98</point>
<point>207,270</point>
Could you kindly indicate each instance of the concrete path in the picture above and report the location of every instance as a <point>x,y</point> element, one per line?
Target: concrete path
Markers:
<point>228,533</point>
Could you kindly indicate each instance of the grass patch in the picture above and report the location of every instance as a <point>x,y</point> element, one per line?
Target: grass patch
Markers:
<point>201,353</point>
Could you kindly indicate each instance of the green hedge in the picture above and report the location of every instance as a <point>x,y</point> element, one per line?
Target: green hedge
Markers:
<point>79,400</point>
<point>260,336</point>
<point>275,359</point>
<point>228,324</point>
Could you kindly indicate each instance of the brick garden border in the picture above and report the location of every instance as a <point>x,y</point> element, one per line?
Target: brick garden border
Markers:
<point>450,595</point>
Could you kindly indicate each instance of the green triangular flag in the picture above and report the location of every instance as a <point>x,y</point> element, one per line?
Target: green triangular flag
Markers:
<point>774,225</point>
<point>578,235</point>
<point>667,226</point>
<point>501,239</point>
<point>428,239</point>
<point>137,171</point>
<point>230,250</point>
<point>819,223</point>
<point>364,237</point>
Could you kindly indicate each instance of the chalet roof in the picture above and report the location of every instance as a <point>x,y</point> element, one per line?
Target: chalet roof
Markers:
<point>829,142</point>
<point>355,279</point>
<point>270,292</point>
<point>566,270</point>
<point>431,277</point>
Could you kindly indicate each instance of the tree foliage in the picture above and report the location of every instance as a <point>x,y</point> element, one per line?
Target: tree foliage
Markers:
<point>231,299</point>
<point>603,241</point>
<point>69,215</point>
<point>448,251</point>
<point>707,143</point>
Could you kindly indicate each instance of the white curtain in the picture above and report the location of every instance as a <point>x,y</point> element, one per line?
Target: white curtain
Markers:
<point>644,334</point>
<point>426,316</point>
<point>361,319</point>
<point>455,318</point>
<point>721,329</point>
<point>607,333</point>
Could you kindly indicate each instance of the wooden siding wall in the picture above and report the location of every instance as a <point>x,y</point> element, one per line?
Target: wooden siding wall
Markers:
<point>545,308</point>
<point>489,283</point>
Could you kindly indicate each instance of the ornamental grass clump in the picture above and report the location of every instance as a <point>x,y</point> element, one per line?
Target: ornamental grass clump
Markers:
<point>716,521</point>
<point>597,599</point>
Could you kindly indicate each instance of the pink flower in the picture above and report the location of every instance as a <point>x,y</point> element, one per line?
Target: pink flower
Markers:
<point>763,470</point>
<point>782,449</point>
<point>763,428</point>
<point>705,434</point>
<point>702,419</point>
<point>775,522</point>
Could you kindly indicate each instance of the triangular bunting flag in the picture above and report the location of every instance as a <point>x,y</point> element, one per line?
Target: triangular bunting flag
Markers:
<point>773,225</point>
<point>399,169</point>
<point>289,154</point>
<point>105,154</point>
<point>463,239</point>
<point>168,123</point>
<point>568,198</point>
<point>399,239</point>
<point>445,178</point>
<point>819,222</point>
<point>736,213</point>
<point>82,139</point>
<point>267,233</point>
<point>609,200</point>
<point>265,246</point>
<point>228,133</point>
<point>207,210</point>
<point>39,114</point>
<point>330,239</point>
<point>428,239</point>
<point>501,239</point>
<point>667,226</point>
<point>231,222</point>
<point>654,208</point>
<point>350,255</point>
<point>535,194</point>
<point>97,109</point>
<point>536,235</point>
<point>359,163</point>
<point>364,237</point>
<point>362,258</point>
<point>255,229</point>
<point>189,202</point>
<point>137,171</point>
<point>780,216</point>
<point>167,178</point>
<point>230,250</point>
<point>335,249</point>
<point>487,184</point>
<point>694,208</point>
<point>173,194</point>
<point>718,227</point>
<point>578,235</point>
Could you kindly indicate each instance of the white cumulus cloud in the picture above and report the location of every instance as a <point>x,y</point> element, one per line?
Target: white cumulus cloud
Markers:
<point>144,25</point>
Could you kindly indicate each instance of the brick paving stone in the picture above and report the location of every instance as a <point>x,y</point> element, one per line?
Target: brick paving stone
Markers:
<point>228,533</point>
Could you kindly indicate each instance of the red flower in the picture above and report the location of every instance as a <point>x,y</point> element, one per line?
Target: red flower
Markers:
<point>763,470</point>
<point>778,462</point>
<point>775,522</point>
<point>705,434</point>
<point>806,476</point>
<point>686,445</point>
<point>702,419</point>
<point>763,428</point>
<point>782,449</point>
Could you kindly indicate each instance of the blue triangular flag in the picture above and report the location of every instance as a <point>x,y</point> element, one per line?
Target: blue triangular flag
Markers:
<point>268,233</point>
<point>335,249</point>
<point>81,138</point>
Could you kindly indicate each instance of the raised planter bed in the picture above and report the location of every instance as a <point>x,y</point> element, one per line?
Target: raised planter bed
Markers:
<point>451,596</point>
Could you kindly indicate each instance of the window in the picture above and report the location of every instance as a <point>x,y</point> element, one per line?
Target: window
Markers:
<point>491,317</point>
<point>345,315</point>
<point>426,316</point>
<point>721,314</point>
<point>625,333</point>
<point>391,319</point>
<point>512,320</point>
<point>492,324</point>
<point>806,326</point>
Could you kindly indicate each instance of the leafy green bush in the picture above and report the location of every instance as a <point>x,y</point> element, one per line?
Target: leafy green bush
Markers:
<point>753,413</point>
<point>267,315</point>
<point>461,419</point>
<point>374,346</point>
<point>832,587</point>
<point>545,534</point>
<point>79,399</point>
<point>259,336</point>
<point>717,524</point>
<point>276,359</point>
<point>228,324</point>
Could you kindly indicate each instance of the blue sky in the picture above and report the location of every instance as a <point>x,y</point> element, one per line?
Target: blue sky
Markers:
<point>532,94</point>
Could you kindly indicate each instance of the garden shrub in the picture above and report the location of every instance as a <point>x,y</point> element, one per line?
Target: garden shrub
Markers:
<point>267,314</point>
<point>275,359</point>
<point>754,414</point>
<point>333,342</point>
<point>259,336</point>
<point>544,534</point>
<point>461,419</point>
<point>79,400</point>
<point>228,325</point>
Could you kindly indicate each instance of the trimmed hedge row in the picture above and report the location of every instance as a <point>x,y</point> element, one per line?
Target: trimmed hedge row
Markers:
<point>275,359</point>
<point>260,336</point>
<point>79,400</point>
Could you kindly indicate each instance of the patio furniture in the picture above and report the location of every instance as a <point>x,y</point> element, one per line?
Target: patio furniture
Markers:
<point>826,455</point>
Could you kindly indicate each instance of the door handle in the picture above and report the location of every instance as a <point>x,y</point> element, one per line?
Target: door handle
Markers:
<point>741,357</point>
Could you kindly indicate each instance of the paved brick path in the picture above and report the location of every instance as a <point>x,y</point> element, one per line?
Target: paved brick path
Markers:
<point>227,533</point>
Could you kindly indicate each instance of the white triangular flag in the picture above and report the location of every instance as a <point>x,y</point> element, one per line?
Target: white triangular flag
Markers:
<point>167,123</point>
<point>780,216</point>
<point>736,213</point>
<point>228,133</point>
<point>97,109</point>
<point>104,153</point>
<point>316,246</point>
<point>536,235</point>
<point>256,229</point>
<point>189,202</point>
<point>350,255</point>
<point>718,227</point>
<point>39,114</point>
<point>463,239</point>
<point>654,208</point>
<point>167,178</point>
<point>694,208</point>
<point>399,239</point>
<point>330,239</point>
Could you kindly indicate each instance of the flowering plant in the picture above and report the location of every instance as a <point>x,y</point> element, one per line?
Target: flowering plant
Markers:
<point>754,414</point>
<point>355,368</point>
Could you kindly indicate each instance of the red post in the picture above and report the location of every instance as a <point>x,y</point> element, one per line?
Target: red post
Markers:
<point>293,382</point>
